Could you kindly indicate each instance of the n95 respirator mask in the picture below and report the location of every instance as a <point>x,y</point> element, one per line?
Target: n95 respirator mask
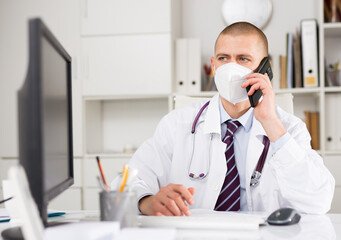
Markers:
<point>228,79</point>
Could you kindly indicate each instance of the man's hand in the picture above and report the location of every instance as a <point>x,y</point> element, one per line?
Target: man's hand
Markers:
<point>265,111</point>
<point>171,200</point>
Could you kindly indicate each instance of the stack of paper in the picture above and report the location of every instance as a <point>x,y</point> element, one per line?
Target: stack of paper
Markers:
<point>205,220</point>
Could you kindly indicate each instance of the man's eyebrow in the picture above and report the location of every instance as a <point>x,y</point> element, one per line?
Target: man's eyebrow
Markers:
<point>245,56</point>
<point>222,54</point>
<point>239,55</point>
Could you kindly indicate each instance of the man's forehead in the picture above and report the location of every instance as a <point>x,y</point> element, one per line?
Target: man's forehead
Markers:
<point>245,44</point>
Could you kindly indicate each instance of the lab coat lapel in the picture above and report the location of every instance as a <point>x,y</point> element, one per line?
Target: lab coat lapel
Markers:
<point>216,176</point>
<point>212,117</point>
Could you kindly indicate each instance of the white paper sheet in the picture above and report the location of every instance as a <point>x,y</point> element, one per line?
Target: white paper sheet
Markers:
<point>205,219</point>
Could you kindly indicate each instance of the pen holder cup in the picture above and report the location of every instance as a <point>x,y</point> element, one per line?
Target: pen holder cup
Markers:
<point>119,206</point>
<point>333,77</point>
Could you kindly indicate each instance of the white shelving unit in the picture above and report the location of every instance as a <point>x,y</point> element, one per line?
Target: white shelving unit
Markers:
<point>127,73</point>
<point>117,102</point>
<point>123,65</point>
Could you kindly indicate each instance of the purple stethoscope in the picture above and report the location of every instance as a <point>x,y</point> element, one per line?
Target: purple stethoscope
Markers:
<point>257,173</point>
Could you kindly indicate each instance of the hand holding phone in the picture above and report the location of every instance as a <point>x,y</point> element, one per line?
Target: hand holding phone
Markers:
<point>264,67</point>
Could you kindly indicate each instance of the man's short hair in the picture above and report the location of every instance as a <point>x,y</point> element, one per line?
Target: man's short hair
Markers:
<point>244,28</point>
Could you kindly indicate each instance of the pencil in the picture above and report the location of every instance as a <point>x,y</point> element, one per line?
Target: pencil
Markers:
<point>124,177</point>
<point>102,173</point>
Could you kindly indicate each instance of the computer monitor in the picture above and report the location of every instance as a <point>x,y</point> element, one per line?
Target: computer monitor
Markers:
<point>45,117</point>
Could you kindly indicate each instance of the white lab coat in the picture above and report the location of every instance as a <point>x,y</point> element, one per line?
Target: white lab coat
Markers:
<point>294,176</point>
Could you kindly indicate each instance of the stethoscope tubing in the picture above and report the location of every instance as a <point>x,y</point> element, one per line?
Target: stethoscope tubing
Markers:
<point>257,173</point>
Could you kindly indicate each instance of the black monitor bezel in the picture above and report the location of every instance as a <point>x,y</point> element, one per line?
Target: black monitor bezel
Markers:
<point>34,149</point>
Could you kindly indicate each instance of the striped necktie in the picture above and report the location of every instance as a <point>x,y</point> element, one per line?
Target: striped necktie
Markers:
<point>229,197</point>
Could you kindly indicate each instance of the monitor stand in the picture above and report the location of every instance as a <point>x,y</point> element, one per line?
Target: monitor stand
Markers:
<point>15,233</point>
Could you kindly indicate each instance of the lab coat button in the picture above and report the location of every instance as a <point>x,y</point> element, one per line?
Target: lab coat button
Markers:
<point>216,188</point>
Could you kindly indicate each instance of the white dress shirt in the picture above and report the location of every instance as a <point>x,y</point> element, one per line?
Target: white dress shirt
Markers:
<point>240,144</point>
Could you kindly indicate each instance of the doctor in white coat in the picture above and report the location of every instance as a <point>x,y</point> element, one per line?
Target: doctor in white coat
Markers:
<point>293,174</point>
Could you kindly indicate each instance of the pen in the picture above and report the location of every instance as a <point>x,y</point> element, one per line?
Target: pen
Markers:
<point>124,178</point>
<point>102,173</point>
<point>5,200</point>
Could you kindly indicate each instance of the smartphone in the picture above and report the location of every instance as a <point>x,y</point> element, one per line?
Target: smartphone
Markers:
<point>264,67</point>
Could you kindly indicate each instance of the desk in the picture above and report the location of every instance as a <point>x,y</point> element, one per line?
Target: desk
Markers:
<point>310,227</point>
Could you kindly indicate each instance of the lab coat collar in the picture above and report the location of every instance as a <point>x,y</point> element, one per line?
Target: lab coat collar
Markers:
<point>245,120</point>
<point>212,120</point>
<point>212,116</point>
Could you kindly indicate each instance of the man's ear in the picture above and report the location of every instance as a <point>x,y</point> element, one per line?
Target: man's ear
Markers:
<point>212,65</point>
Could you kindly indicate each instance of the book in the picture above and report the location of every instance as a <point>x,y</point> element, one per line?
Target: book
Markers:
<point>326,11</point>
<point>315,130</point>
<point>313,125</point>
<point>297,60</point>
<point>307,120</point>
<point>338,2</point>
<point>290,70</point>
<point>283,69</point>
<point>335,15</point>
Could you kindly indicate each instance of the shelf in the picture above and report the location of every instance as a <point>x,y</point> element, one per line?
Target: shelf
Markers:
<point>109,155</point>
<point>298,90</point>
<point>332,89</point>
<point>204,94</point>
<point>122,122</point>
<point>332,152</point>
<point>124,97</point>
<point>332,29</point>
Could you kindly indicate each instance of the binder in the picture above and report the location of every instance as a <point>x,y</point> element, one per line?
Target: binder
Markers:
<point>188,66</point>
<point>194,66</point>
<point>337,120</point>
<point>181,65</point>
<point>331,121</point>
<point>309,45</point>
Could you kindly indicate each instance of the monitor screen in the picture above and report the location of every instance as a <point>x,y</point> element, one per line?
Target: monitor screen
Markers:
<point>55,116</point>
<point>45,117</point>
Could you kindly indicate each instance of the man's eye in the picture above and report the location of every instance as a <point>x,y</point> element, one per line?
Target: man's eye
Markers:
<point>244,59</point>
<point>222,58</point>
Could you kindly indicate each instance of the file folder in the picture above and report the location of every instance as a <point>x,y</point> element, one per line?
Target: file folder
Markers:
<point>309,45</point>
<point>194,66</point>
<point>331,121</point>
<point>188,66</point>
<point>338,117</point>
<point>181,65</point>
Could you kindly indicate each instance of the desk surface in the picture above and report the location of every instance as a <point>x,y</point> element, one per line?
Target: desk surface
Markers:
<point>310,227</point>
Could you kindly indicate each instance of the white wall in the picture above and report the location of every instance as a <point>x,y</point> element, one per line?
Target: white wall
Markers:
<point>62,18</point>
<point>202,19</point>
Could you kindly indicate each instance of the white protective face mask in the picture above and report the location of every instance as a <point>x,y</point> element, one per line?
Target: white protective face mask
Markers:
<point>229,78</point>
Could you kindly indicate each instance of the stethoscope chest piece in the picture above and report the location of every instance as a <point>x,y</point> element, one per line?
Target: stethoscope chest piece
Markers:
<point>255,178</point>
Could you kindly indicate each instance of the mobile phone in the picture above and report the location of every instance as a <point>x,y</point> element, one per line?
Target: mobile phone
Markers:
<point>264,67</point>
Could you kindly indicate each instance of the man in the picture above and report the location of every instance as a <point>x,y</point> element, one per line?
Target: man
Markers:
<point>212,167</point>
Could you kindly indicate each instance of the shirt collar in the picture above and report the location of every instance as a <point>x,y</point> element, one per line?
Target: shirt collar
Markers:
<point>245,120</point>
